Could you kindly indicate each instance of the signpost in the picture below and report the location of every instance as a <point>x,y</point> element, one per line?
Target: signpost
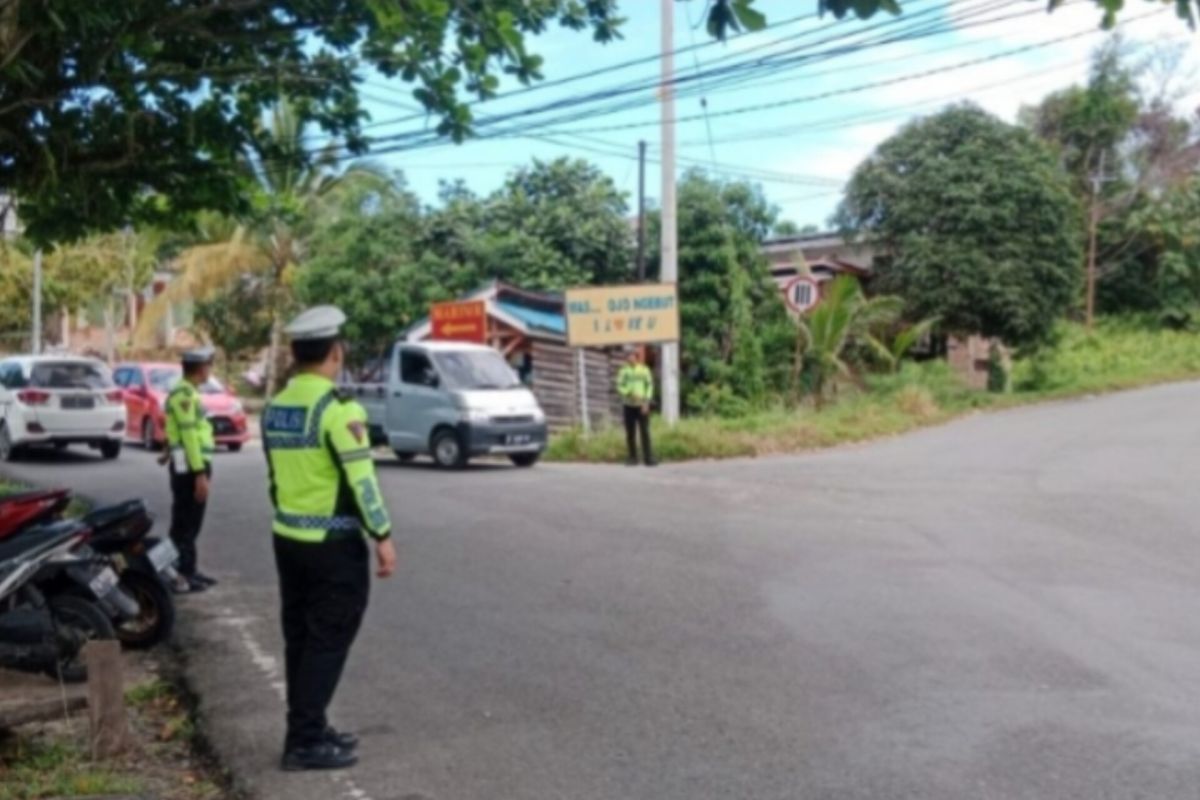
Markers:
<point>802,294</point>
<point>616,315</point>
<point>459,322</point>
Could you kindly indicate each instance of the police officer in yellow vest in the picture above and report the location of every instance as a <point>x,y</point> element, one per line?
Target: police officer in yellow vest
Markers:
<point>635,385</point>
<point>327,502</point>
<point>189,454</point>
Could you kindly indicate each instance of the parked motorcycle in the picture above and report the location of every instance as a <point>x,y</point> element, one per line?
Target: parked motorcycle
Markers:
<point>42,632</point>
<point>146,566</point>
<point>118,533</point>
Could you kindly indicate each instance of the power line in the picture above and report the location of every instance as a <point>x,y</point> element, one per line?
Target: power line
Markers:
<point>645,86</point>
<point>619,67</point>
<point>860,87</point>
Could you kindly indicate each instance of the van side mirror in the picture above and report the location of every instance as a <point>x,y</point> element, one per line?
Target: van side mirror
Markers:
<point>430,378</point>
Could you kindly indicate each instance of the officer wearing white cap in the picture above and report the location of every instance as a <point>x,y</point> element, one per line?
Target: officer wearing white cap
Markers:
<point>327,504</point>
<point>189,451</point>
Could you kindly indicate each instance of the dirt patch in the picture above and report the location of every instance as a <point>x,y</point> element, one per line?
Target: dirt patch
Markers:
<point>168,759</point>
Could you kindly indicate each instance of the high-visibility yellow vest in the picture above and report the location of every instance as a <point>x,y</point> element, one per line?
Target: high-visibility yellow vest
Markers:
<point>319,456</point>
<point>189,432</point>
<point>635,384</point>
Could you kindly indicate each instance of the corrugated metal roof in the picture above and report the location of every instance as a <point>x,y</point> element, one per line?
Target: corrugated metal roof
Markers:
<point>541,320</point>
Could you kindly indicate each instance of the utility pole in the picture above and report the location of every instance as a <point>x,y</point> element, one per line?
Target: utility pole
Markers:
<point>670,264</point>
<point>641,231</point>
<point>1098,181</point>
<point>35,343</point>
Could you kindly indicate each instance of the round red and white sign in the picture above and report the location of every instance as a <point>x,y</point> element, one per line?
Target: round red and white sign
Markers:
<point>802,294</point>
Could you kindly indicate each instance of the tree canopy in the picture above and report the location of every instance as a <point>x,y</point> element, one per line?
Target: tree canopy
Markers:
<point>725,16</point>
<point>118,112</point>
<point>975,222</point>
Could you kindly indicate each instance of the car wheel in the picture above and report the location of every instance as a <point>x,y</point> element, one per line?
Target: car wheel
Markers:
<point>8,450</point>
<point>148,440</point>
<point>110,450</point>
<point>234,447</point>
<point>447,450</point>
<point>524,459</point>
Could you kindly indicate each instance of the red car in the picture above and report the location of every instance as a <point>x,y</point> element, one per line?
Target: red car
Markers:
<point>146,386</point>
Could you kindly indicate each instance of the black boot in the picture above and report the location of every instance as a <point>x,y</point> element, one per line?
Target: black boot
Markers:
<point>318,756</point>
<point>346,741</point>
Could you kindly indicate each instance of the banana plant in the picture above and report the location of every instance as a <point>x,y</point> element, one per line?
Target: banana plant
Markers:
<point>843,316</point>
<point>904,341</point>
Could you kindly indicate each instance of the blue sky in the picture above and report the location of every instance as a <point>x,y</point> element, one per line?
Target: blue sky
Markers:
<point>799,147</point>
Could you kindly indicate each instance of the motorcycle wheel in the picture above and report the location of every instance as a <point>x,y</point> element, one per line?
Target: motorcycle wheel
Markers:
<point>156,611</point>
<point>83,616</point>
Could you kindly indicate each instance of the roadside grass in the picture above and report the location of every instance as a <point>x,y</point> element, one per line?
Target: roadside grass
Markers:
<point>1120,353</point>
<point>57,766</point>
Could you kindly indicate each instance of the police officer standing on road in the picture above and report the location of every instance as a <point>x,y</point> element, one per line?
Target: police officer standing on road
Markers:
<point>189,453</point>
<point>635,385</point>
<point>326,497</point>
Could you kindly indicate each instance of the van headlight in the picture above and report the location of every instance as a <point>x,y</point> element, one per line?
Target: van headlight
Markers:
<point>539,416</point>
<point>474,415</point>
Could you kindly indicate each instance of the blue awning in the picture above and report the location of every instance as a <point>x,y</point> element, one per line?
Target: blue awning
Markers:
<point>540,320</point>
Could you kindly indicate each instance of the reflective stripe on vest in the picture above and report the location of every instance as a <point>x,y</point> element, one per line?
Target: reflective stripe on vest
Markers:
<point>309,522</point>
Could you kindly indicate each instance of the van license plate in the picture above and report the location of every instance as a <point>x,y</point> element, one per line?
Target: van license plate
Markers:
<point>103,583</point>
<point>163,555</point>
<point>518,438</point>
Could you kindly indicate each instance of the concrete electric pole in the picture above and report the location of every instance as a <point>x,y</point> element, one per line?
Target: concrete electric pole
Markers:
<point>35,340</point>
<point>641,231</point>
<point>670,264</point>
<point>1098,181</point>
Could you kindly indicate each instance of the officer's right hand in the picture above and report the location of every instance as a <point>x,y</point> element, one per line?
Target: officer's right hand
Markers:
<point>201,488</point>
<point>385,554</point>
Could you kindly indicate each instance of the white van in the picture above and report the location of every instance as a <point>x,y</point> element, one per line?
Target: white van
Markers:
<point>452,400</point>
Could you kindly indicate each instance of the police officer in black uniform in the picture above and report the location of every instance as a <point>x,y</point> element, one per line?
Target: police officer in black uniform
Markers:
<point>327,504</point>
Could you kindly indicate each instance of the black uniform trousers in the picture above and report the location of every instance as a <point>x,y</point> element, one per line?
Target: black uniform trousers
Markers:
<point>324,588</point>
<point>187,517</point>
<point>637,421</point>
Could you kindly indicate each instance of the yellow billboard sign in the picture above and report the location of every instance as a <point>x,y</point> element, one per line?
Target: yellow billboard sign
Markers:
<point>612,315</point>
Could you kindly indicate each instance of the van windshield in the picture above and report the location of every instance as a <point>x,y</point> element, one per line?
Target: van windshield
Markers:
<point>475,369</point>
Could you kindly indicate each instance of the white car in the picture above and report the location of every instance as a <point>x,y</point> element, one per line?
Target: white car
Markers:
<point>59,401</point>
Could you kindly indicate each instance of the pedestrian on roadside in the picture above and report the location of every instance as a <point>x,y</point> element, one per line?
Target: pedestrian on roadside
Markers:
<point>635,385</point>
<point>189,453</point>
<point>326,497</point>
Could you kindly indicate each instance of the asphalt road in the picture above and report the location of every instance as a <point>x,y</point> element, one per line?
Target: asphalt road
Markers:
<point>1004,607</point>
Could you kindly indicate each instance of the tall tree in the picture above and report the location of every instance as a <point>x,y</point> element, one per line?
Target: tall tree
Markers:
<point>117,112</point>
<point>269,242</point>
<point>552,225</point>
<point>365,255</point>
<point>1126,149</point>
<point>736,335</point>
<point>976,225</point>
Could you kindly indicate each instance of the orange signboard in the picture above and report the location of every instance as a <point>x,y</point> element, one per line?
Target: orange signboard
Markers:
<point>459,322</point>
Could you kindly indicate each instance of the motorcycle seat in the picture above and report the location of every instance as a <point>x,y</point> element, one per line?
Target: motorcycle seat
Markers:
<point>42,537</point>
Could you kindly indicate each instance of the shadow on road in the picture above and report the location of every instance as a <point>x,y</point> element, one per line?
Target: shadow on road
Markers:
<point>428,466</point>
<point>64,457</point>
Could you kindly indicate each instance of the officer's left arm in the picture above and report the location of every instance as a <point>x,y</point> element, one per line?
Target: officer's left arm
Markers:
<point>351,444</point>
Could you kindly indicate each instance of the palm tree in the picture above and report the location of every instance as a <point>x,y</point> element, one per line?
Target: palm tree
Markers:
<point>269,244</point>
<point>843,315</point>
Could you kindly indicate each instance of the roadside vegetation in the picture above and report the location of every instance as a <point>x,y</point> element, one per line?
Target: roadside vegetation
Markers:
<point>1120,353</point>
<point>167,761</point>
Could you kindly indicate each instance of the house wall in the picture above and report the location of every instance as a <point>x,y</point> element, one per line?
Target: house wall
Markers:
<point>556,384</point>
